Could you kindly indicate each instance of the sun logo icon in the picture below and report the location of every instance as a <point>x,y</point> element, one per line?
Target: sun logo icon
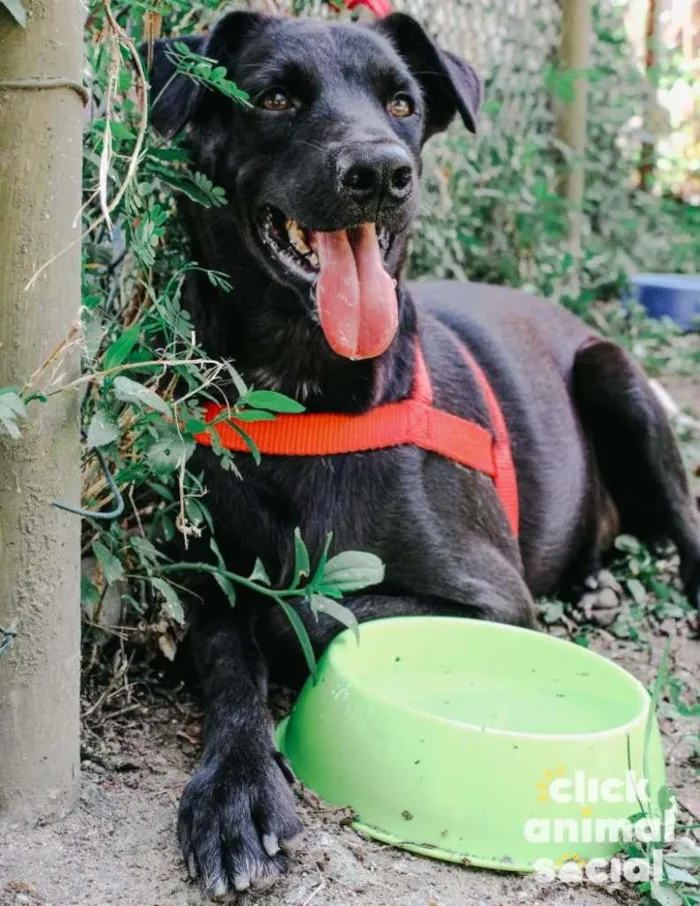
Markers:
<point>544,785</point>
<point>570,857</point>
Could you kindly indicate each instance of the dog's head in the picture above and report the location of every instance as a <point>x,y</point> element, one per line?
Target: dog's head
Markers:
<point>322,168</point>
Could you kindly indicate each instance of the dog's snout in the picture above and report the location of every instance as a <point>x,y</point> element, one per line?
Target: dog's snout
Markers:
<point>375,173</point>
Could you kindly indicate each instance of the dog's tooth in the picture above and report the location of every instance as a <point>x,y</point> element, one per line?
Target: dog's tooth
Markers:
<point>313,259</point>
<point>192,866</point>
<point>296,236</point>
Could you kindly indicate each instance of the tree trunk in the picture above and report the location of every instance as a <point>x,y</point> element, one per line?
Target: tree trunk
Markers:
<point>40,171</point>
<point>574,54</point>
<point>653,39</point>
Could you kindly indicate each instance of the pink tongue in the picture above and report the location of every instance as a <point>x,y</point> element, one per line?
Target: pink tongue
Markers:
<point>356,297</point>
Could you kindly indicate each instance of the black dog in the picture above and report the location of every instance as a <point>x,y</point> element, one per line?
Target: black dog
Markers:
<point>321,174</point>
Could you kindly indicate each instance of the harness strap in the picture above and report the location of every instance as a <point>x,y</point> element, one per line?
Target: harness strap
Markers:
<point>505,477</point>
<point>413,422</point>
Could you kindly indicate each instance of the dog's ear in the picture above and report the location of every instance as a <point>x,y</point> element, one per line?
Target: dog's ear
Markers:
<point>175,96</point>
<point>449,84</point>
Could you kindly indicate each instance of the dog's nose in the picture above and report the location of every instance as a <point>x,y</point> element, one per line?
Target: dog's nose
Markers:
<point>375,173</point>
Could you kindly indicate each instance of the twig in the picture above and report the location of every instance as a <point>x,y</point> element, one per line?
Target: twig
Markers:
<point>122,38</point>
<point>128,366</point>
<point>316,890</point>
<point>110,715</point>
<point>135,509</point>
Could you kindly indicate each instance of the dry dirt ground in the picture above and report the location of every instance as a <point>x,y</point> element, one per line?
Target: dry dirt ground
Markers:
<point>117,847</point>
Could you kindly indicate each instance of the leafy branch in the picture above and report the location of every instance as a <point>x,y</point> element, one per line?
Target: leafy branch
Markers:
<point>346,572</point>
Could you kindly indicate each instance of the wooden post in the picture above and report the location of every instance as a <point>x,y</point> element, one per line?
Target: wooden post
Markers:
<point>574,54</point>
<point>653,40</point>
<point>40,185</point>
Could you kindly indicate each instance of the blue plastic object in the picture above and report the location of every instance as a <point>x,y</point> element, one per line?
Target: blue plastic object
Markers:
<point>675,295</point>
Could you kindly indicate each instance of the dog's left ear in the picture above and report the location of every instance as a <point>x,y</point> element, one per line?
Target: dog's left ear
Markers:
<point>449,84</point>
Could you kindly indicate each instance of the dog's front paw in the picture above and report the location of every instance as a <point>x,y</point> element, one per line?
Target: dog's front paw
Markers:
<point>237,819</point>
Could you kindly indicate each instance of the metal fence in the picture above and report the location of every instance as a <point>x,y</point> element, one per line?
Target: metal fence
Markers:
<point>498,34</point>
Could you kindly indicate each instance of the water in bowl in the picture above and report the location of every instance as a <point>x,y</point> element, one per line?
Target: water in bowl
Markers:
<point>530,707</point>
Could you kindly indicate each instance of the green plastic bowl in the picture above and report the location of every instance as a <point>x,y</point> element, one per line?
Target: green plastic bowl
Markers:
<point>477,743</point>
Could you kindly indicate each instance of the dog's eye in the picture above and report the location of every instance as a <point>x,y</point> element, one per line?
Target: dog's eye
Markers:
<point>401,105</point>
<point>275,100</point>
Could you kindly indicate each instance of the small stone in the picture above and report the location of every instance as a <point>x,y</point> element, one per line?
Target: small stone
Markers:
<point>604,618</point>
<point>607,599</point>
<point>587,604</point>
<point>607,580</point>
<point>669,627</point>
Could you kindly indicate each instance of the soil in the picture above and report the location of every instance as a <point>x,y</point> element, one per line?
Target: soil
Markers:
<point>117,847</point>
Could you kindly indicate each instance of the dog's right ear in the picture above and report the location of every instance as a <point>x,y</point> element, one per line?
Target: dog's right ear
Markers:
<point>175,97</point>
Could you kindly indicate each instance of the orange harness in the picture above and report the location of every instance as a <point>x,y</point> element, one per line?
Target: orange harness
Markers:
<point>413,421</point>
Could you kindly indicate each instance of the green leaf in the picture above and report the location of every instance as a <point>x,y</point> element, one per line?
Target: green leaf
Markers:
<point>339,612</point>
<point>227,586</point>
<point>322,560</point>
<point>637,590</point>
<point>352,570</point>
<point>172,600</point>
<point>270,400</point>
<point>664,895</point>
<point>666,798</point>
<point>195,426</point>
<point>259,574</point>
<point>89,595</point>
<point>102,430</point>
<point>252,446</point>
<point>491,106</point>
<point>146,551</point>
<point>11,410</point>
<point>16,10</point>
<point>680,875</point>
<point>214,547</point>
<point>301,634</point>
<point>166,455</point>
<point>111,566</point>
<point>129,391</point>
<point>238,381</point>
<point>628,544</point>
<point>302,566</point>
<point>121,348</point>
<point>659,684</point>
<point>254,415</point>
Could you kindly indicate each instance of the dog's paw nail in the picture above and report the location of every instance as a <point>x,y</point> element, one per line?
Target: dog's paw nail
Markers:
<point>241,883</point>
<point>192,866</point>
<point>219,889</point>
<point>291,844</point>
<point>271,844</point>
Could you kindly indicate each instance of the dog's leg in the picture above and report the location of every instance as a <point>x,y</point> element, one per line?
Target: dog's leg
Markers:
<point>488,604</point>
<point>504,599</point>
<point>237,812</point>
<point>637,454</point>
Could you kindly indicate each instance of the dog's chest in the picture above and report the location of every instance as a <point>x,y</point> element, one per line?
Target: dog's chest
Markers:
<point>257,513</point>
